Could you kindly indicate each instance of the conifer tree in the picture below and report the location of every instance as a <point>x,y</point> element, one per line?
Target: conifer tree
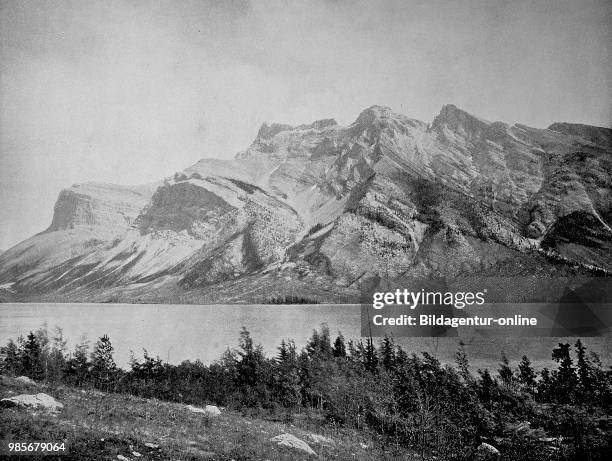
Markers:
<point>401,357</point>
<point>252,373</point>
<point>320,343</point>
<point>583,368</point>
<point>565,379</point>
<point>601,381</point>
<point>56,362</point>
<point>283,352</point>
<point>31,359</point>
<point>371,356</point>
<point>286,383</point>
<point>387,353</point>
<point>78,366</point>
<point>526,373</point>
<point>103,367</point>
<point>487,386</point>
<point>505,372</point>
<point>356,351</point>
<point>463,364</point>
<point>545,385</point>
<point>12,357</point>
<point>251,359</point>
<point>339,349</point>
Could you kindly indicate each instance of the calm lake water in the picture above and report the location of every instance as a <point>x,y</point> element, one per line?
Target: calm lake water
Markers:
<point>188,332</point>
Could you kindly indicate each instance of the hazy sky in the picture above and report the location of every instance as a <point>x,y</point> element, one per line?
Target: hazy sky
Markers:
<point>131,91</point>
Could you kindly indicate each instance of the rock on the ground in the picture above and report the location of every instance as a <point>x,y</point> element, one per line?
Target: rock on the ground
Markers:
<point>320,439</point>
<point>38,401</point>
<point>488,452</point>
<point>212,410</point>
<point>25,380</point>
<point>209,410</point>
<point>154,446</point>
<point>291,441</point>
<point>122,458</point>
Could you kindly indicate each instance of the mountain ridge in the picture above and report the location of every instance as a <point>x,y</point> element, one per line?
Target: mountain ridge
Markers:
<point>320,207</point>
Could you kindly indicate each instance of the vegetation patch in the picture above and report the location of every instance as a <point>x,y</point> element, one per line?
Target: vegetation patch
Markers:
<point>372,401</point>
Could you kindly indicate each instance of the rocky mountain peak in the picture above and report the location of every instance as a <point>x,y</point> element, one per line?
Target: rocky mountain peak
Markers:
<point>373,113</point>
<point>456,120</point>
<point>268,131</point>
<point>319,124</point>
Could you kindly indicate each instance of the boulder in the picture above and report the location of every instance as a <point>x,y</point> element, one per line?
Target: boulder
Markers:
<point>26,380</point>
<point>38,401</point>
<point>291,441</point>
<point>487,452</point>
<point>209,410</point>
<point>212,410</point>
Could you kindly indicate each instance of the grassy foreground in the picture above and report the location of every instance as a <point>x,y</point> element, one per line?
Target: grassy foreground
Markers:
<point>95,426</point>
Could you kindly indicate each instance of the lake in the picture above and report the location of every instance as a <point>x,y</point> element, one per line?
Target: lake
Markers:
<point>190,332</point>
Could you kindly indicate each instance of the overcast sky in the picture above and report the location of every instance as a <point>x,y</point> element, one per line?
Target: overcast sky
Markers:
<point>131,91</point>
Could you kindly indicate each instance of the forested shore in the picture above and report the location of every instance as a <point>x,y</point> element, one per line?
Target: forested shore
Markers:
<point>407,399</point>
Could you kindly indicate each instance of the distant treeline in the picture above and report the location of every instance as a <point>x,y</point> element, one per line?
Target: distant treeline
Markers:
<point>291,299</point>
<point>408,399</point>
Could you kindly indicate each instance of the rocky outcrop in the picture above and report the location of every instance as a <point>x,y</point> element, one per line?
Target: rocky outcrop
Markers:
<point>25,380</point>
<point>268,131</point>
<point>38,401</point>
<point>292,442</point>
<point>184,206</point>
<point>385,196</point>
<point>104,205</point>
<point>208,410</point>
<point>487,452</point>
<point>452,123</point>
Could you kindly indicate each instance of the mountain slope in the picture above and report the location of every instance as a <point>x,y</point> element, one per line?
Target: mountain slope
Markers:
<point>319,208</point>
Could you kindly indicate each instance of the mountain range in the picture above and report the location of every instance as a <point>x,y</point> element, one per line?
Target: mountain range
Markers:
<point>315,210</point>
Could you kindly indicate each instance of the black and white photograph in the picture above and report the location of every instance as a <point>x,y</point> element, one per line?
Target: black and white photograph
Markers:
<point>265,230</point>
